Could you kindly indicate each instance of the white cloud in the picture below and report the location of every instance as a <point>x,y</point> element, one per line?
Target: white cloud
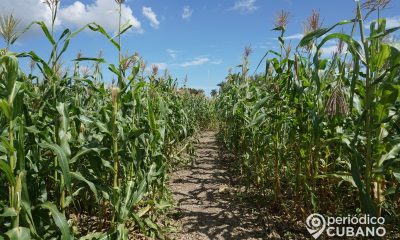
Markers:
<point>392,22</point>
<point>329,50</point>
<point>151,16</point>
<point>245,6</point>
<point>103,12</point>
<point>265,45</point>
<point>295,36</point>
<point>196,62</point>
<point>172,53</point>
<point>187,12</point>
<point>216,62</point>
<point>331,42</point>
<point>27,10</point>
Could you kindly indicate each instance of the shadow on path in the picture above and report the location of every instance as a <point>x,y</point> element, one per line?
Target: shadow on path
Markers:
<point>206,210</point>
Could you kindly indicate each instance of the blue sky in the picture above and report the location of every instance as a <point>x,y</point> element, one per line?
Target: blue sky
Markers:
<point>200,39</point>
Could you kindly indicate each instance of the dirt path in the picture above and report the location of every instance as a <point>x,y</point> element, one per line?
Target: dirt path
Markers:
<point>206,209</point>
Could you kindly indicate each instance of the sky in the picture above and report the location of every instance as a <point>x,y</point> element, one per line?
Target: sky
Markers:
<point>198,39</point>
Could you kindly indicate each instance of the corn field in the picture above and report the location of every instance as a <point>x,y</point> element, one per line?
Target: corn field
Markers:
<point>73,146</point>
<point>323,131</point>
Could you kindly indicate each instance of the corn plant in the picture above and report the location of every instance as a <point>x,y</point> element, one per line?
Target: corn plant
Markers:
<point>74,148</point>
<point>318,126</point>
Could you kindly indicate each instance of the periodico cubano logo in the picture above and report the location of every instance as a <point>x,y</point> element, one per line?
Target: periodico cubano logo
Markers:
<point>345,226</point>
<point>316,224</point>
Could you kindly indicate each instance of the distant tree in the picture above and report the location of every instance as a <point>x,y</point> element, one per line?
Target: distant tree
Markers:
<point>196,91</point>
<point>214,92</point>
<point>192,91</point>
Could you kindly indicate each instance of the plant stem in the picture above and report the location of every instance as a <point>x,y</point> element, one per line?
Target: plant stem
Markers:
<point>115,98</point>
<point>115,141</point>
<point>368,96</point>
<point>13,163</point>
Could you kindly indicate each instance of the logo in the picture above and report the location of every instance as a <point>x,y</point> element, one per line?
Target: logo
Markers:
<point>345,226</point>
<point>316,224</point>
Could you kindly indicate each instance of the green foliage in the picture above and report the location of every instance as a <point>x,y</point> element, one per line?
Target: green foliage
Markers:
<point>66,137</point>
<point>320,126</point>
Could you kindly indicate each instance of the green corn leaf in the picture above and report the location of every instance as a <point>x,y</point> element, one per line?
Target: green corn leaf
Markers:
<point>132,77</point>
<point>78,176</point>
<point>343,176</point>
<point>122,232</point>
<point>10,64</point>
<point>32,129</point>
<point>9,212</point>
<point>83,152</point>
<point>6,145</point>
<point>266,54</point>
<point>102,127</point>
<point>125,27</point>
<point>96,236</point>
<point>97,28</point>
<point>259,120</point>
<point>259,104</point>
<point>63,132</point>
<point>59,220</point>
<point>397,176</point>
<point>99,60</point>
<point>163,205</point>
<point>383,55</point>
<point>150,223</point>
<point>26,204</point>
<point>114,69</point>
<point>44,67</point>
<point>5,108</point>
<point>67,33</point>
<point>393,153</point>
<point>4,167</point>
<point>383,34</point>
<point>19,233</point>
<point>354,47</point>
<point>44,29</point>
<point>62,159</point>
<point>365,198</point>
<point>151,117</point>
<point>139,193</point>
<point>312,36</point>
